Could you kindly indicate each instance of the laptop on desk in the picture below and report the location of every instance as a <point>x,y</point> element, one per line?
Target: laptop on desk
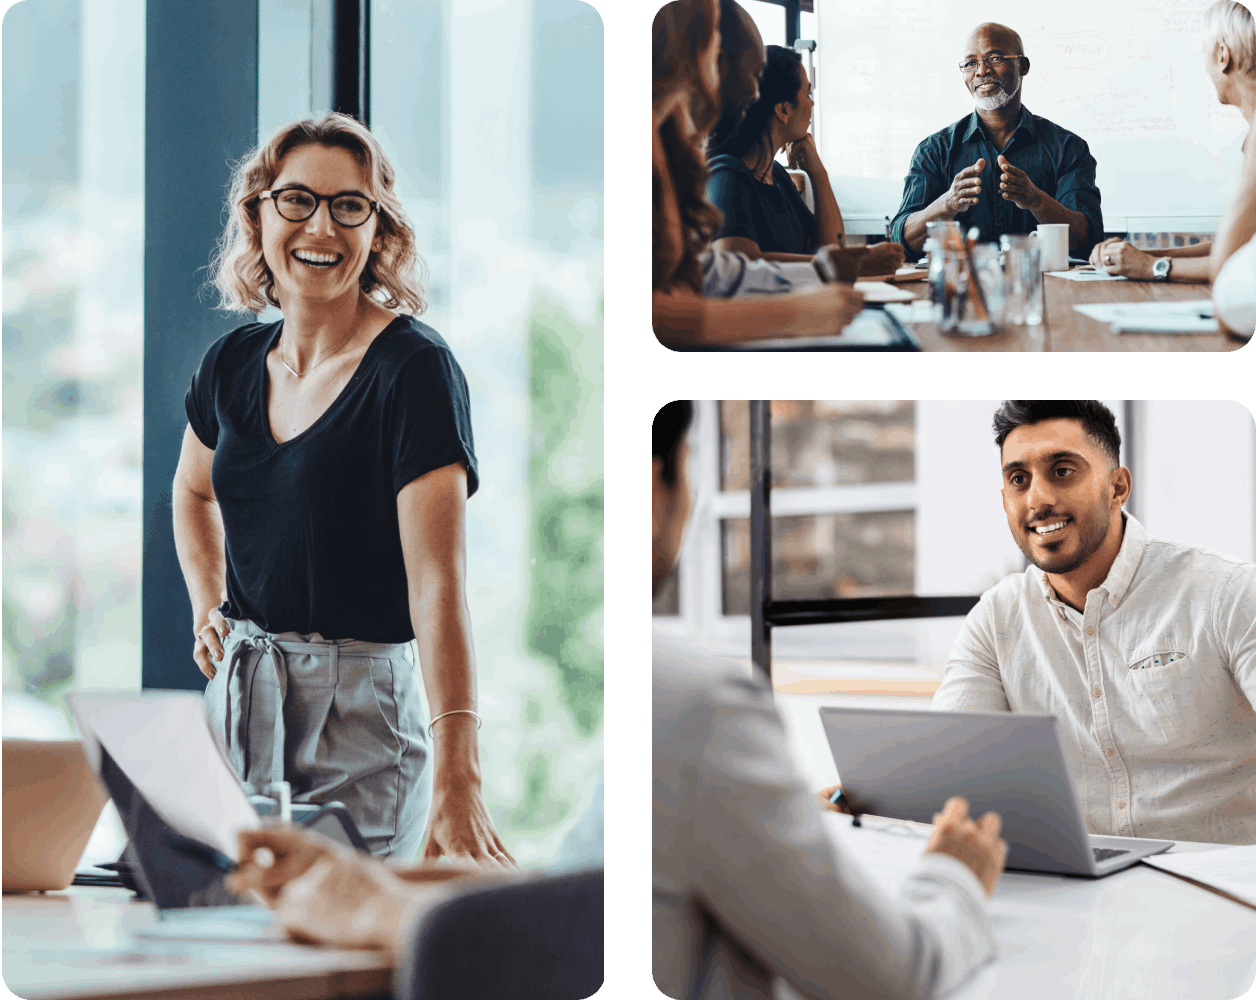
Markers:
<point>905,763</point>
<point>51,804</point>
<point>182,805</point>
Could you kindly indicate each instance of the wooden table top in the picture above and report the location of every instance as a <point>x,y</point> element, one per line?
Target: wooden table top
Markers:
<point>79,943</point>
<point>1065,329</point>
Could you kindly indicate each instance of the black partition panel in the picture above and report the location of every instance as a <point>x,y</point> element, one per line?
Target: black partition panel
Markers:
<point>201,115</point>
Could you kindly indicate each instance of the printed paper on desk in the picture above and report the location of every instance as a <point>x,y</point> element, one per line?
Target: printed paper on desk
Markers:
<point>1230,869</point>
<point>1195,316</point>
<point>164,746</point>
<point>1087,275</point>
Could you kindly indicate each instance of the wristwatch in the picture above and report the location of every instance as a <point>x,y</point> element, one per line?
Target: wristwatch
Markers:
<point>1160,269</point>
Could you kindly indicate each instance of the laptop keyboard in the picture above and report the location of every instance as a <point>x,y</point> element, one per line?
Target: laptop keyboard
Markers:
<point>1104,853</point>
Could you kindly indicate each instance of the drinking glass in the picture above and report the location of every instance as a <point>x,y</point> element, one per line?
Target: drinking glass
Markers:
<point>955,275</point>
<point>1023,274</point>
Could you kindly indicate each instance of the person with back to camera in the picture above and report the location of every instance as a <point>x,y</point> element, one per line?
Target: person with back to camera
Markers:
<point>321,490</point>
<point>1230,61</point>
<point>748,890</point>
<point>686,103</point>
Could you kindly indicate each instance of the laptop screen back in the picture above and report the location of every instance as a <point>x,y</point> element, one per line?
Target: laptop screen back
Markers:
<point>906,763</point>
<point>51,804</point>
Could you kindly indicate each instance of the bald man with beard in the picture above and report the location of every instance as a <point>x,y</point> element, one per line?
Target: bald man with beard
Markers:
<point>1002,168</point>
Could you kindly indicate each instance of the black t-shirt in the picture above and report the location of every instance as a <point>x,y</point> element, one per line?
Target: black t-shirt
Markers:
<point>311,524</point>
<point>773,215</point>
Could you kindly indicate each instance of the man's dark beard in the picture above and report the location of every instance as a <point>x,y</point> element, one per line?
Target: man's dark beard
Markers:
<point>1090,542</point>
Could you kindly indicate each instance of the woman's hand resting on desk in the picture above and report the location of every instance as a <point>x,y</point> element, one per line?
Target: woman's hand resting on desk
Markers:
<point>1118,257</point>
<point>834,263</point>
<point>325,892</point>
<point>883,258</point>
<point>977,844</point>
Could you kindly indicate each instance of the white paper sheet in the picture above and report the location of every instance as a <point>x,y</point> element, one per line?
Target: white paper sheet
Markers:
<point>1230,869</point>
<point>883,291</point>
<point>1194,316</point>
<point>163,745</point>
<point>889,849</point>
<point>1087,276</point>
<point>868,329</point>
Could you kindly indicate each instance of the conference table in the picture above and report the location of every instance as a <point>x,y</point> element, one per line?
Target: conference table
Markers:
<point>1065,329</point>
<point>81,943</point>
<point>1140,933</point>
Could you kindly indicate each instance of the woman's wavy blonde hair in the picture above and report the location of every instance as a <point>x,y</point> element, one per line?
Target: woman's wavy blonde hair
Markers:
<point>238,269</point>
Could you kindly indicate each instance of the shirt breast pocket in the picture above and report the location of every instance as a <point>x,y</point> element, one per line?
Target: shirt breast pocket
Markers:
<point>1159,659</point>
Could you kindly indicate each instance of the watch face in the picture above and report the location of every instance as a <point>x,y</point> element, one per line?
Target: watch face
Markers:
<point>1161,267</point>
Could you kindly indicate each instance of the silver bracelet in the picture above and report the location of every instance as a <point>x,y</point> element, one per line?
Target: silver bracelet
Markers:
<point>457,711</point>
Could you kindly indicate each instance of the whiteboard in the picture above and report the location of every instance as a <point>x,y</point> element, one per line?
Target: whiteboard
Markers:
<point>1126,77</point>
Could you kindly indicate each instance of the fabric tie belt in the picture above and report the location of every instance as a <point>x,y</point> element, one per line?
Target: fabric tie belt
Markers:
<point>257,686</point>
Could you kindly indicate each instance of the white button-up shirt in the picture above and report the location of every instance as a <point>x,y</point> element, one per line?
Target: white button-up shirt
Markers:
<point>747,887</point>
<point>1152,684</point>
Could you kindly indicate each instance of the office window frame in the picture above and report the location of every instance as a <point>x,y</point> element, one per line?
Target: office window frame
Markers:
<point>898,627</point>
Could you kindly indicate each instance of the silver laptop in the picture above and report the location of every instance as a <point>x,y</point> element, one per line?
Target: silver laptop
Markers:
<point>905,763</point>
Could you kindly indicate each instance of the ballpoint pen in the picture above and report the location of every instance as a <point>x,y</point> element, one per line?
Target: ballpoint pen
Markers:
<point>837,799</point>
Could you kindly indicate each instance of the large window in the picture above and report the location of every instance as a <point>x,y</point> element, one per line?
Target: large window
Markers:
<point>73,92</point>
<point>504,176</point>
<point>869,498</point>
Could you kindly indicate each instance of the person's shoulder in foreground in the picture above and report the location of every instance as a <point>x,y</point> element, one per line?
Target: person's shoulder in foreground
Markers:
<point>739,841</point>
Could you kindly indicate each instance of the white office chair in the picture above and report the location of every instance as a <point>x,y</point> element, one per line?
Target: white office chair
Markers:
<point>533,940</point>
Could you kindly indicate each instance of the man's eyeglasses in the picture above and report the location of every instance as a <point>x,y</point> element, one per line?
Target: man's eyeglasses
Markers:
<point>297,205</point>
<point>969,66</point>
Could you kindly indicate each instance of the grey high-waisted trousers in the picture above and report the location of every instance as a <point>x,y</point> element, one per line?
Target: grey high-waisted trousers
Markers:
<point>339,720</point>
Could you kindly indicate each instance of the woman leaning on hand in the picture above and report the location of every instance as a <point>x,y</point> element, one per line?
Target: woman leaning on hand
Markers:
<point>321,491</point>
<point>686,103</point>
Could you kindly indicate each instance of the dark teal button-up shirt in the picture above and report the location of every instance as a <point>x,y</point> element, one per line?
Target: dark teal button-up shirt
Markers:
<point>1056,160</point>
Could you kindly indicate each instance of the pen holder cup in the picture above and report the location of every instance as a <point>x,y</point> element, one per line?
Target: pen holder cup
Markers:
<point>967,288</point>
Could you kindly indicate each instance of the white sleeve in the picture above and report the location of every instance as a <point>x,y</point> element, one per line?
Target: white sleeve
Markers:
<point>760,863</point>
<point>1234,291</point>
<point>971,681</point>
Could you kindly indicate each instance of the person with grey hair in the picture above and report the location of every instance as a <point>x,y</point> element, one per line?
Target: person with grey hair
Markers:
<point>1000,169</point>
<point>1229,43</point>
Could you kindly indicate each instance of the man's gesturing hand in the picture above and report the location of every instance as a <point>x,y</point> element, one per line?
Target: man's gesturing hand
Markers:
<point>1016,186</point>
<point>965,190</point>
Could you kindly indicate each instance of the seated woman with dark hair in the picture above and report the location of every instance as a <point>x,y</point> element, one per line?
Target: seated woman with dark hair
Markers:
<point>686,102</point>
<point>764,215</point>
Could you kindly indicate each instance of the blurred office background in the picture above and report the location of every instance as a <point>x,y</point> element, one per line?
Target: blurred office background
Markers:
<point>491,111</point>
<point>878,498</point>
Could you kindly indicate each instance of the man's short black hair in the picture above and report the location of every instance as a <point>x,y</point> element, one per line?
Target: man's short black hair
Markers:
<point>1096,418</point>
<point>670,425</point>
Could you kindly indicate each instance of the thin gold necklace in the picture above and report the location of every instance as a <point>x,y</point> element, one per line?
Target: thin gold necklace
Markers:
<point>313,366</point>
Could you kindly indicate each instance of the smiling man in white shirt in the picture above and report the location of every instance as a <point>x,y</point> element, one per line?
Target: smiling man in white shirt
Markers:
<point>1144,650</point>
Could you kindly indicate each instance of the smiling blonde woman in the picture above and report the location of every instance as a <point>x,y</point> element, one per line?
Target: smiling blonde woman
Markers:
<point>319,505</point>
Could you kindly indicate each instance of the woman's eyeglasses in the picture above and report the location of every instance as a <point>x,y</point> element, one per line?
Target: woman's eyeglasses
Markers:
<point>297,205</point>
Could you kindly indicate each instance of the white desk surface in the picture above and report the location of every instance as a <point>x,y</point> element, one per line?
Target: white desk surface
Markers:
<point>77,943</point>
<point>1141,933</point>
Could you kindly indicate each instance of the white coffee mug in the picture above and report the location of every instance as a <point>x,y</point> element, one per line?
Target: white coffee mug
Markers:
<point>1054,240</point>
